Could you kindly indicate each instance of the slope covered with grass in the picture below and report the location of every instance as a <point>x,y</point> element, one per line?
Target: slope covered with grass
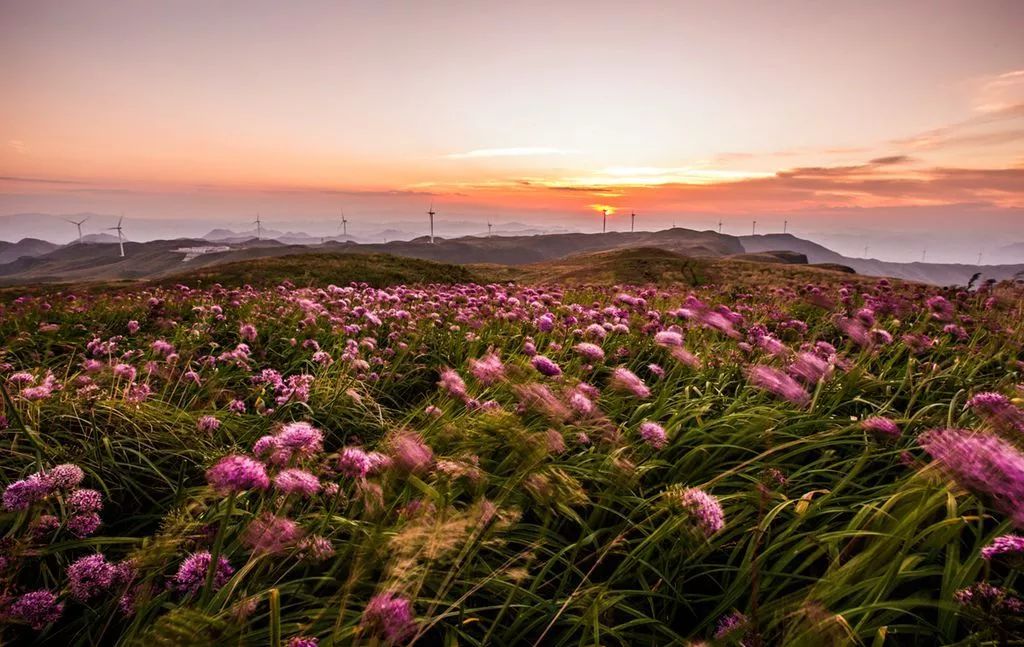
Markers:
<point>753,461</point>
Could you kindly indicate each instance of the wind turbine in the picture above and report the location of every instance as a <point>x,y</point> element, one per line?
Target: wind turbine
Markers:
<point>78,223</point>
<point>924,252</point>
<point>753,228</point>
<point>632,221</point>
<point>489,225</point>
<point>259,227</point>
<point>719,225</point>
<point>785,225</point>
<point>344,224</point>
<point>431,213</point>
<point>604,222</point>
<point>865,251</point>
<point>120,236</point>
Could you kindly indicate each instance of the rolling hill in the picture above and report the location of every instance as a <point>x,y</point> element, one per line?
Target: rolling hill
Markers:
<point>934,273</point>
<point>163,258</point>
<point>24,247</point>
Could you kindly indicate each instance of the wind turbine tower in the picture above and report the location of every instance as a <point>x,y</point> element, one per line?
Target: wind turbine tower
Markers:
<point>259,227</point>
<point>604,222</point>
<point>120,236</point>
<point>632,221</point>
<point>344,224</point>
<point>78,223</point>
<point>753,228</point>
<point>719,226</point>
<point>489,225</point>
<point>785,225</point>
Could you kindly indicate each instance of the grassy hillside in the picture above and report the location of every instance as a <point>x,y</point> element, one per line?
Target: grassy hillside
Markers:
<point>761,460</point>
<point>642,265</point>
<point>378,270</point>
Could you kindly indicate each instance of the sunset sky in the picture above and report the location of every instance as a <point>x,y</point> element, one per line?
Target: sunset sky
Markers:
<point>532,110</point>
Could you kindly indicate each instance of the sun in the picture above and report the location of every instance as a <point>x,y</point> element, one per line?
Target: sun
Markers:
<point>600,208</point>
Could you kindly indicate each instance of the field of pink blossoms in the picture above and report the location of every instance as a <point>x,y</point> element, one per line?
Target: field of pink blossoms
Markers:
<point>507,465</point>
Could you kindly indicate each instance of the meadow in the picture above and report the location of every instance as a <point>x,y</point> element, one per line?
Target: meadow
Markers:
<point>747,462</point>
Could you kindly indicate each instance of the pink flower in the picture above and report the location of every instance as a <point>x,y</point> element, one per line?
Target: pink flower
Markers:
<point>590,352</point>
<point>703,509</point>
<point>881,427</point>
<point>453,384</point>
<point>125,372</point>
<point>296,481</point>
<point>84,525</point>
<point>248,332</point>
<point>653,434</point>
<point>545,366</point>
<point>90,576</point>
<point>1004,546</point>
<point>389,616</point>
<point>270,534</point>
<point>627,381</point>
<point>208,424</point>
<point>778,383</point>
<point>411,454</point>
<point>20,495</point>
<point>235,473</point>
<point>354,462</point>
<point>85,501</point>
<point>668,338</point>
<point>36,608</point>
<point>191,575</point>
<point>981,463</point>
<point>488,369</point>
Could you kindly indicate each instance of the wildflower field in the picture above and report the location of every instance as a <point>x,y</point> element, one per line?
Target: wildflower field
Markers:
<point>745,463</point>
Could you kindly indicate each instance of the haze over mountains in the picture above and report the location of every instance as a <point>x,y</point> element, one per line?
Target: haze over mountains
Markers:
<point>855,238</point>
<point>98,259</point>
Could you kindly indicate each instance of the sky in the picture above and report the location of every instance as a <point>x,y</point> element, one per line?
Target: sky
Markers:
<point>833,116</point>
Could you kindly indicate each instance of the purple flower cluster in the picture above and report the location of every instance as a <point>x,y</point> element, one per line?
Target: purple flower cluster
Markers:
<point>1004,546</point>
<point>488,369</point>
<point>982,463</point>
<point>296,481</point>
<point>93,575</point>
<point>191,575</point>
<point>703,509</point>
<point>778,383</point>
<point>546,366</point>
<point>36,609</point>
<point>882,427</point>
<point>295,440</point>
<point>389,616</point>
<point>627,381</point>
<point>990,599</point>
<point>236,473</point>
<point>653,434</point>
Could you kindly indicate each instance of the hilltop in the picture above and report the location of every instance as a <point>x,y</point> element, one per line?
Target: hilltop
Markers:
<point>40,262</point>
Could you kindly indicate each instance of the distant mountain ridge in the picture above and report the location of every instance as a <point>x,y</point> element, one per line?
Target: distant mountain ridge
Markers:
<point>935,273</point>
<point>24,247</point>
<point>38,262</point>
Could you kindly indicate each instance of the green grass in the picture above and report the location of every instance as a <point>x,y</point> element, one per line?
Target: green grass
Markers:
<point>508,540</point>
<point>302,270</point>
